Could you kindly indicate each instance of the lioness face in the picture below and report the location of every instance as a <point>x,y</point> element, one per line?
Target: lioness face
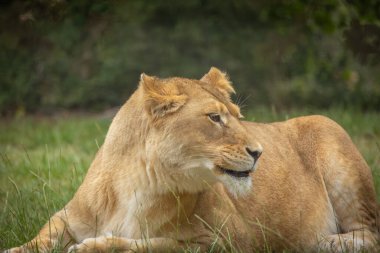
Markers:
<point>215,140</point>
<point>203,140</point>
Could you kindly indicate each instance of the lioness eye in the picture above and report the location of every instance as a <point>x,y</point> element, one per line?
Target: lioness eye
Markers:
<point>215,117</point>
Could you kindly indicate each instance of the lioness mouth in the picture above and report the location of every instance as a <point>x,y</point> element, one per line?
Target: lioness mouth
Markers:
<point>235,173</point>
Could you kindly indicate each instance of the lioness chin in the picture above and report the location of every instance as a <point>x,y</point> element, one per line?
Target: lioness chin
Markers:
<point>177,171</point>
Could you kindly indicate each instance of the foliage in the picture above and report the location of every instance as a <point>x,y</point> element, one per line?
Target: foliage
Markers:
<point>89,54</point>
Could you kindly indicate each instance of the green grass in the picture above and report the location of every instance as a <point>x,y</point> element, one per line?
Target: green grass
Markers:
<point>43,161</point>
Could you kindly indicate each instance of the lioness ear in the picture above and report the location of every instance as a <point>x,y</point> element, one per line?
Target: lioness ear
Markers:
<point>219,80</point>
<point>160,98</point>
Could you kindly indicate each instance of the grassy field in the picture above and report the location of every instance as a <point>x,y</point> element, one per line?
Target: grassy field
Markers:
<point>43,161</point>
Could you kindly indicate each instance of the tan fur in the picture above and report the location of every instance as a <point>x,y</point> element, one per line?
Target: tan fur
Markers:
<point>156,183</point>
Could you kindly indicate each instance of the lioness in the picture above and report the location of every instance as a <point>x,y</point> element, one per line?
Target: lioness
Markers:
<point>177,171</point>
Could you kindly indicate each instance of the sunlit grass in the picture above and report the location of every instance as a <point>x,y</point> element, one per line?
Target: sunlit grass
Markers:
<point>43,161</point>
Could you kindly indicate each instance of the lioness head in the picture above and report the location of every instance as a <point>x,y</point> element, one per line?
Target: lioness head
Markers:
<point>195,135</point>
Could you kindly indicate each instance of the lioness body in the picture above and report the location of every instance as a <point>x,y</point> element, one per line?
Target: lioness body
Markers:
<point>309,179</point>
<point>173,174</point>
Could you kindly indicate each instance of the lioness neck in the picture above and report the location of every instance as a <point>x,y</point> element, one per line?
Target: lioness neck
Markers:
<point>140,196</point>
<point>133,162</point>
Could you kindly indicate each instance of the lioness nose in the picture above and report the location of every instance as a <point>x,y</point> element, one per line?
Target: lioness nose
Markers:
<point>254,153</point>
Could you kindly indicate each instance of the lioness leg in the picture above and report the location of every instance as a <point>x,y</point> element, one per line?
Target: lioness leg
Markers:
<point>353,241</point>
<point>105,244</point>
<point>349,184</point>
<point>53,234</point>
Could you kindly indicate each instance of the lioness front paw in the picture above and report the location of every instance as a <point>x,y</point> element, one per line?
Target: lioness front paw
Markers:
<point>101,244</point>
<point>89,245</point>
<point>21,249</point>
<point>40,246</point>
<point>15,250</point>
<point>342,243</point>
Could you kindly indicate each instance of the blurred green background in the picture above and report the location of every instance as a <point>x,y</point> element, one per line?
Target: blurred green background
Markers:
<point>285,58</point>
<point>62,55</point>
